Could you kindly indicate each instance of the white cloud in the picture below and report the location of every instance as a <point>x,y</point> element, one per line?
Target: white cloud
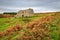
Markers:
<point>36,9</point>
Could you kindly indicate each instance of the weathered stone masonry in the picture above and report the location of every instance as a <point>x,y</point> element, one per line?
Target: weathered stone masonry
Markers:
<point>27,12</point>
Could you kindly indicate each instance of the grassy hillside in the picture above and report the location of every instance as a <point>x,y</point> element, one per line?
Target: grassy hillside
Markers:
<point>37,27</point>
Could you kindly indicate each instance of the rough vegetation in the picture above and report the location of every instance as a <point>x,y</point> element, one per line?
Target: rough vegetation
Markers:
<point>44,27</point>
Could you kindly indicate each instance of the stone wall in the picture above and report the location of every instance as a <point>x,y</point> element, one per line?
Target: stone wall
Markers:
<point>27,12</point>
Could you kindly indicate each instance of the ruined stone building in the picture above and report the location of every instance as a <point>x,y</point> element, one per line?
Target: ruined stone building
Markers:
<point>23,13</point>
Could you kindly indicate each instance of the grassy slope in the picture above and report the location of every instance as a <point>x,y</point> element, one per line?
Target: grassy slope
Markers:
<point>55,27</point>
<point>6,22</point>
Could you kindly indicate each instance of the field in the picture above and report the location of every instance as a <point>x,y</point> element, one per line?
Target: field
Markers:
<point>38,27</point>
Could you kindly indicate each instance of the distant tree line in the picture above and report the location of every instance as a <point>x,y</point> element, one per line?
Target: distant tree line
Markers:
<point>8,14</point>
<point>11,13</point>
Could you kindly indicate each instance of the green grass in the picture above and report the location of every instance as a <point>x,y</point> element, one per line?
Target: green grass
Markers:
<point>5,23</point>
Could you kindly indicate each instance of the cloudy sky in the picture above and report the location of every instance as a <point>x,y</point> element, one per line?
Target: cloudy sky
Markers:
<point>37,5</point>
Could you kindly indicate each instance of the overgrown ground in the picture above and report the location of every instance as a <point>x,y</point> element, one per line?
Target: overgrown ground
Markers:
<point>37,27</point>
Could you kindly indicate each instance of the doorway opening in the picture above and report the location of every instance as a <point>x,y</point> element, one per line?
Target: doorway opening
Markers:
<point>22,15</point>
